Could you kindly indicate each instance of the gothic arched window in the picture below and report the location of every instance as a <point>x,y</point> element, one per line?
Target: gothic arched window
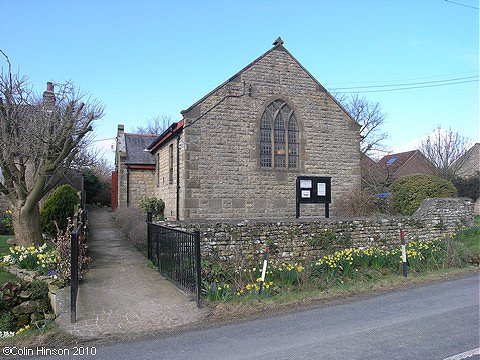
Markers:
<point>278,132</point>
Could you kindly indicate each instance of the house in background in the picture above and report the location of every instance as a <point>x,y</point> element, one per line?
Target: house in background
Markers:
<point>68,176</point>
<point>377,176</point>
<point>134,173</point>
<point>394,166</point>
<point>469,165</point>
<point>238,151</point>
<point>470,162</point>
<point>372,175</point>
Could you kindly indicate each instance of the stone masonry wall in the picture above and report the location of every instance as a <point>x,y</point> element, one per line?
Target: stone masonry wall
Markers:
<point>223,177</point>
<point>244,242</point>
<point>140,184</point>
<point>122,185</point>
<point>164,189</point>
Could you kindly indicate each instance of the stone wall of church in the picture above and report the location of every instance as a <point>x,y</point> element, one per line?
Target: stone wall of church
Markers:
<point>166,181</point>
<point>140,183</point>
<point>223,177</point>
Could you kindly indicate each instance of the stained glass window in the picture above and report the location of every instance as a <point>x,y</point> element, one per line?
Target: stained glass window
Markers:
<point>279,131</point>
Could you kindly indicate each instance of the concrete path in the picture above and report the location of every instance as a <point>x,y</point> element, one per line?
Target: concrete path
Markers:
<point>120,294</point>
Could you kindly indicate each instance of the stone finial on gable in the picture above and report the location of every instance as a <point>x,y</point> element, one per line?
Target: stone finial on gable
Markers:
<point>278,42</point>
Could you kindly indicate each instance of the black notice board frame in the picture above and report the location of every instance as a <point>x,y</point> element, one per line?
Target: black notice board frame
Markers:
<point>314,190</point>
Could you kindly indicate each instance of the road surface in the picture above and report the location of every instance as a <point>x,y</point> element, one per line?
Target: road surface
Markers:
<point>435,321</point>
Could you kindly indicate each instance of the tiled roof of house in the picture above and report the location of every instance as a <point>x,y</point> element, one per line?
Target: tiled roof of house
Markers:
<point>396,161</point>
<point>368,165</point>
<point>135,145</point>
<point>406,163</point>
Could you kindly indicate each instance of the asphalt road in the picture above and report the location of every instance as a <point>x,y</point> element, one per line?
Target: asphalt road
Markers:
<point>435,321</point>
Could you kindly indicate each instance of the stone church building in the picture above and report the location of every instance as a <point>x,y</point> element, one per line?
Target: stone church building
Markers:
<point>237,152</point>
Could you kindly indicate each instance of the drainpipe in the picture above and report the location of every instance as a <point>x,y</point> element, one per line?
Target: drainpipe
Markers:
<point>128,186</point>
<point>178,177</point>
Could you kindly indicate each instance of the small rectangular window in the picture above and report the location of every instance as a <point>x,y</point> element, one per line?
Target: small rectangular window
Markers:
<point>157,166</point>
<point>170,165</point>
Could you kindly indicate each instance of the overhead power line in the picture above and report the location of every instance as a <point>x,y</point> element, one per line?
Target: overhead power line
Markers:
<point>408,84</point>
<point>408,79</point>
<point>408,88</point>
<point>113,138</point>
<point>456,3</point>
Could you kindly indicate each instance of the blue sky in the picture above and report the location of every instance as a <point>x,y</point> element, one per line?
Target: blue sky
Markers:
<point>145,58</point>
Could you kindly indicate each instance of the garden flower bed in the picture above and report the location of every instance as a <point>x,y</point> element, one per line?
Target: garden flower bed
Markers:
<point>45,266</point>
<point>29,300</point>
<point>222,283</point>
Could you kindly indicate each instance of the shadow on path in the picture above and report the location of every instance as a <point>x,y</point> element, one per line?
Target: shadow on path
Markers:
<point>120,294</point>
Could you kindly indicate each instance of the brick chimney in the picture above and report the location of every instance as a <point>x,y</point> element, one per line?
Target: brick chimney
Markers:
<point>49,96</point>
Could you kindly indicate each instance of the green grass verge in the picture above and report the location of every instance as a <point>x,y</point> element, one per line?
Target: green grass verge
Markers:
<point>4,246</point>
<point>251,307</point>
<point>50,335</point>
<point>450,255</point>
<point>470,238</point>
<point>5,276</point>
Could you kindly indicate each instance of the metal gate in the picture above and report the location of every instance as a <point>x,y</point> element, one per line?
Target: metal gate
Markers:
<point>176,254</point>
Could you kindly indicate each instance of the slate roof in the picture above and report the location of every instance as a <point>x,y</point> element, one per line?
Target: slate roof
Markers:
<point>165,136</point>
<point>135,145</point>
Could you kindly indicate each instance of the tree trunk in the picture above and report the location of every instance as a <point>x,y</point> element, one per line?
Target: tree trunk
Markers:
<point>26,226</point>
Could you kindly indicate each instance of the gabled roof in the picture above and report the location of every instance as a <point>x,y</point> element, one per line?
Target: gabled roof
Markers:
<point>396,161</point>
<point>415,160</point>
<point>135,145</point>
<point>367,164</point>
<point>165,136</point>
<point>278,46</point>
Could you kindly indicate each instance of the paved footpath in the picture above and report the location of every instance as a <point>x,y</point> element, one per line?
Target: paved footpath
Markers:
<point>120,295</point>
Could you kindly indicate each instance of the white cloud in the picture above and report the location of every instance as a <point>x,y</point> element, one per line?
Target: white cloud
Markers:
<point>413,144</point>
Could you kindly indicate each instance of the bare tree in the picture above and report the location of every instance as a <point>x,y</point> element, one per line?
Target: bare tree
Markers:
<point>39,139</point>
<point>370,117</point>
<point>446,150</point>
<point>156,125</point>
<point>97,183</point>
<point>103,169</point>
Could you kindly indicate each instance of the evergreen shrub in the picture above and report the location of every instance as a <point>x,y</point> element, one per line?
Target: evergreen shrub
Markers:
<point>58,207</point>
<point>409,191</point>
<point>153,205</point>
<point>469,187</point>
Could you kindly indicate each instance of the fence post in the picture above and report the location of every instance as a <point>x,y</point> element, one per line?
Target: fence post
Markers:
<point>264,269</point>
<point>149,237</point>
<point>198,268</point>
<point>73,275</point>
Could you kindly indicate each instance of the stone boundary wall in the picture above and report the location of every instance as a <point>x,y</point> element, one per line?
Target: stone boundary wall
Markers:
<point>52,284</point>
<point>305,240</point>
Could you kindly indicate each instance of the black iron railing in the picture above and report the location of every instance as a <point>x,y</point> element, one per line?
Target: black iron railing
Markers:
<point>176,254</point>
<point>79,230</point>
